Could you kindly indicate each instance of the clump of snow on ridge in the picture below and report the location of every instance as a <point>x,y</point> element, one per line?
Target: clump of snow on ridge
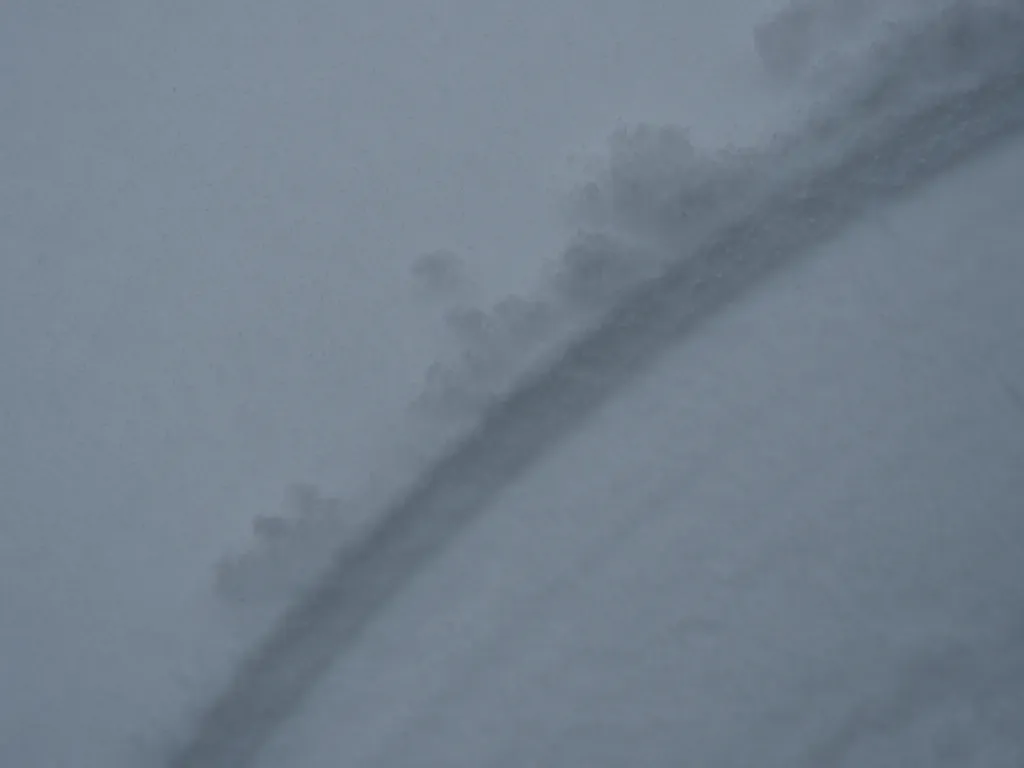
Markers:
<point>828,46</point>
<point>289,547</point>
<point>807,35</point>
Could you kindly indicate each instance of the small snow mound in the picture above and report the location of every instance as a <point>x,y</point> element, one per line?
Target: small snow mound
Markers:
<point>288,549</point>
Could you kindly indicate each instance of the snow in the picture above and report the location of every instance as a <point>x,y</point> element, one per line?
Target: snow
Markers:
<point>214,219</point>
<point>795,542</point>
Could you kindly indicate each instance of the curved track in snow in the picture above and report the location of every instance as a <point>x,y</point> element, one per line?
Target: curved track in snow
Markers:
<point>899,155</point>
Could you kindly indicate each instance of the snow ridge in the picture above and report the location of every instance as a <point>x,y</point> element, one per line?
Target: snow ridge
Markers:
<point>885,146</point>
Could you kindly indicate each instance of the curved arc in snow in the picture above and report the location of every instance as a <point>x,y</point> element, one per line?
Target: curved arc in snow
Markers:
<point>273,680</point>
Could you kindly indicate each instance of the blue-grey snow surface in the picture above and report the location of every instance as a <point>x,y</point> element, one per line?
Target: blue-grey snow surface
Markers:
<point>791,539</point>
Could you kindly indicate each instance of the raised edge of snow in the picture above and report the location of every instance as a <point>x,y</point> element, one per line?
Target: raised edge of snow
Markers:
<point>900,155</point>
